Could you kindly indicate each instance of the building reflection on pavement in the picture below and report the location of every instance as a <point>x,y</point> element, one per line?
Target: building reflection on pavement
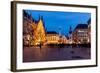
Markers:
<point>34,54</point>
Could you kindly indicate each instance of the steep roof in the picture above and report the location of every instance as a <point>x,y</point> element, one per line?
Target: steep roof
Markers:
<point>51,32</point>
<point>81,26</point>
<point>89,21</point>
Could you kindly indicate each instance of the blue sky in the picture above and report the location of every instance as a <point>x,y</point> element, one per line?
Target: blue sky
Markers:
<point>54,20</point>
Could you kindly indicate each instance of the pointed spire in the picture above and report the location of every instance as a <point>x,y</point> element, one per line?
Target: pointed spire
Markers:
<point>40,18</point>
<point>70,30</point>
<point>60,30</point>
<point>89,21</point>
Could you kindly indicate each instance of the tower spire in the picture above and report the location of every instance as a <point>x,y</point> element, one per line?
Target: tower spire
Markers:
<point>70,30</point>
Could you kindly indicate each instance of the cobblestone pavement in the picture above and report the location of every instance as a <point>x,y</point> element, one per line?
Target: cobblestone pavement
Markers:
<point>34,54</point>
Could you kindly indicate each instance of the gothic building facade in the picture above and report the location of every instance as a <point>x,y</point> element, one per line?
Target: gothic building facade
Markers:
<point>34,32</point>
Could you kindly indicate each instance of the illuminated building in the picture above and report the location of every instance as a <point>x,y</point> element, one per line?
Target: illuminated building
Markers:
<point>52,38</point>
<point>34,32</point>
<point>89,30</point>
<point>63,40</point>
<point>29,25</point>
<point>80,34</point>
<point>55,38</point>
